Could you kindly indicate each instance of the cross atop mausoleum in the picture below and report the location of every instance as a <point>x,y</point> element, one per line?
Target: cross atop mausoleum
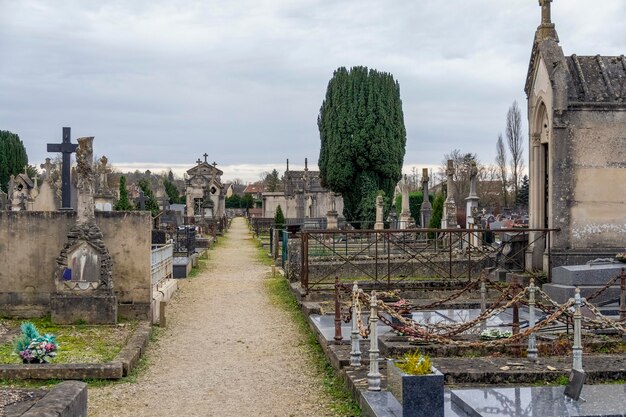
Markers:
<point>199,161</point>
<point>205,156</point>
<point>546,18</point>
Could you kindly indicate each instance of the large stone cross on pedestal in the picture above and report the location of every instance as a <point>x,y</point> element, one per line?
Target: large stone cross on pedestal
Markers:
<point>66,147</point>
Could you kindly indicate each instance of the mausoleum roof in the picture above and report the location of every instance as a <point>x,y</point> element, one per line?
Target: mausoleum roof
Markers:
<point>597,79</point>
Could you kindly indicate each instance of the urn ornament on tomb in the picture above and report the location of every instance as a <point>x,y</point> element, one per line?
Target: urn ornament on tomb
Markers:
<point>83,281</point>
<point>420,395</point>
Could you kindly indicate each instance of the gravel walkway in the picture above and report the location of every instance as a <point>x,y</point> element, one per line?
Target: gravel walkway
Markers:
<point>227,351</point>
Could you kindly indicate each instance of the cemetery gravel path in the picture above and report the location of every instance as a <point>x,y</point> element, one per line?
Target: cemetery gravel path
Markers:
<point>226,351</point>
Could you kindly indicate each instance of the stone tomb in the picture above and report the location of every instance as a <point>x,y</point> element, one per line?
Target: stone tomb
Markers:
<point>601,401</point>
<point>83,280</point>
<point>589,278</point>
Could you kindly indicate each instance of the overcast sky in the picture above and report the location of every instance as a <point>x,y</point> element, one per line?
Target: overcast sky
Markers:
<point>158,83</point>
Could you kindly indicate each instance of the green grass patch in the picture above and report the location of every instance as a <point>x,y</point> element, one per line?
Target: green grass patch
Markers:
<point>77,344</point>
<point>342,403</point>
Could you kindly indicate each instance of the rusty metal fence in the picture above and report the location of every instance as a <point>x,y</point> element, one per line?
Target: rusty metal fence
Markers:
<point>386,258</point>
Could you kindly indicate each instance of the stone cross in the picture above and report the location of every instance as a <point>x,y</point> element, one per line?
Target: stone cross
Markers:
<point>66,147</point>
<point>85,181</point>
<point>205,156</point>
<point>214,164</point>
<point>546,13</point>
<point>199,161</point>
<point>36,180</point>
<point>104,171</point>
<point>47,167</point>
<point>141,200</point>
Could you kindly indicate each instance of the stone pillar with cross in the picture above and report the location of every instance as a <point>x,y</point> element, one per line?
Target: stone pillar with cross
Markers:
<point>66,147</point>
<point>426,208</point>
<point>83,279</point>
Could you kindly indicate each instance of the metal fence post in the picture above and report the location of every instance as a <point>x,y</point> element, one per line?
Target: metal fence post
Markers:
<point>338,336</point>
<point>577,349</point>
<point>622,295</point>
<point>355,353</point>
<point>373,377</point>
<point>532,338</point>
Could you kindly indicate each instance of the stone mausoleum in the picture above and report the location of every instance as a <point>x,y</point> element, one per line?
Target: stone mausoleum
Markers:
<point>302,197</point>
<point>577,156</point>
<point>205,191</point>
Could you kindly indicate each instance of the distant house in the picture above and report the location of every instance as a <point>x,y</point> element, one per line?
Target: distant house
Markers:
<point>255,189</point>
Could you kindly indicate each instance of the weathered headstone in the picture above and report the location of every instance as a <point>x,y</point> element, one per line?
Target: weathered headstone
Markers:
<point>405,214</point>
<point>66,147</point>
<point>471,208</point>
<point>449,206</point>
<point>379,225</point>
<point>3,200</point>
<point>84,285</point>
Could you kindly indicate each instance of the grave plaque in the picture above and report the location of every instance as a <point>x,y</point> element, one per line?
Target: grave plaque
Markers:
<point>575,384</point>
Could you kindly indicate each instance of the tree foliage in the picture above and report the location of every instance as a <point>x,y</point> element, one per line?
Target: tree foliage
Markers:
<point>244,202</point>
<point>363,139</point>
<point>123,204</point>
<point>502,167</point>
<point>515,141</point>
<point>435,220</point>
<point>462,163</point>
<point>172,192</point>
<point>279,218</point>
<point>151,204</point>
<point>13,157</point>
<point>272,181</point>
<point>521,200</point>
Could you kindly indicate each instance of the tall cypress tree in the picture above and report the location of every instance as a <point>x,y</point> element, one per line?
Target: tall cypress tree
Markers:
<point>363,139</point>
<point>13,157</point>
<point>123,204</point>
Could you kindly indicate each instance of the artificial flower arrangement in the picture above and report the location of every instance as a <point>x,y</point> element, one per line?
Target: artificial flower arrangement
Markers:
<point>621,257</point>
<point>491,334</point>
<point>415,363</point>
<point>402,306</point>
<point>33,347</point>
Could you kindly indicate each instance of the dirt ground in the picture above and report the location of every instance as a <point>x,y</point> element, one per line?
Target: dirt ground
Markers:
<point>226,351</point>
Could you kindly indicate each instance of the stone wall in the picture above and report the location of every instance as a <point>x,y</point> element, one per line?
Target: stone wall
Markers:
<point>30,242</point>
<point>598,209</point>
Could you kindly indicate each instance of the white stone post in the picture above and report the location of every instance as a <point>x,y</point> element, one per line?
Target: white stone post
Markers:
<point>355,353</point>
<point>532,338</point>
<point>577,348</point>
<point>373,377</point>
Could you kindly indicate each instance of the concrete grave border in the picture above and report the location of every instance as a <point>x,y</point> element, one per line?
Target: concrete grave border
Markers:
<point>119,367</point>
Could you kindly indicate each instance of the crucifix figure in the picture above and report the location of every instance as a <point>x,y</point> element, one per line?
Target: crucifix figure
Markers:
<point>546,18</point>
<point>66,147</point>
<point>205,156</point>
<point>141,200</point>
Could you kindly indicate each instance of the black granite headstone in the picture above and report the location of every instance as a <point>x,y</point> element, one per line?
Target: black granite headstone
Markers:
<point>575,384</point>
